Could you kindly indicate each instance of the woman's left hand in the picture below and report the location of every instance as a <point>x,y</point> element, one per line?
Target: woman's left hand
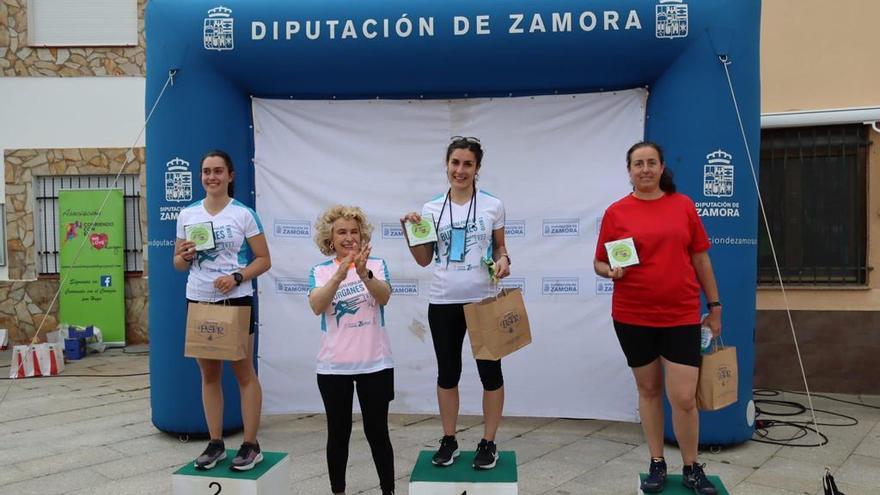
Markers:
<point>360,261</point>
<point>502,267</point>
<point>224,283</point>
<point>713,321</point>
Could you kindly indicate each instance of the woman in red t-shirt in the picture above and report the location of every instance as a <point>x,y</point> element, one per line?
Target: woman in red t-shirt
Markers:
<point>656,305</point>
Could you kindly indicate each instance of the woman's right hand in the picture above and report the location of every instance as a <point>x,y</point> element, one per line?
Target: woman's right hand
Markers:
<point>344,265</point>
<point>615,273</point>
<point>186,250</point>
<point>411,217</point>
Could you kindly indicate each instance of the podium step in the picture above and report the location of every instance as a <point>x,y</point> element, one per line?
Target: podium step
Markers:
<point>461,478</point>
<point>266,478</point>
<point>674,486</point>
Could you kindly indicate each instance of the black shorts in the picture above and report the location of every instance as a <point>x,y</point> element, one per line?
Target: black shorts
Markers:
<point>236,301</point>
<point>642,344</point>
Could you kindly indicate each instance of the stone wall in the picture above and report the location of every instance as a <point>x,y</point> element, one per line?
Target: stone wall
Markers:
<point>29,296</point>
<point>25,303</point>
<point>19,59</point>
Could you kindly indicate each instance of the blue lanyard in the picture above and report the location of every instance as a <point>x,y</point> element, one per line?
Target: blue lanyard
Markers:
<point>471,207</point>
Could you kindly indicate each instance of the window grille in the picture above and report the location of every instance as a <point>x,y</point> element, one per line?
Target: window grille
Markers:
<point>814,185</point>
<point>46,213</point>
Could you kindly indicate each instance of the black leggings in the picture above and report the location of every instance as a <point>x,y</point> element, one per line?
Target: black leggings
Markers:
<point>448,328</point>
<point>375,391</point>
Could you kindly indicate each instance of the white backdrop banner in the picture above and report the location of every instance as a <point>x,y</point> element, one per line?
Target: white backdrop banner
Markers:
<point>555,161</point>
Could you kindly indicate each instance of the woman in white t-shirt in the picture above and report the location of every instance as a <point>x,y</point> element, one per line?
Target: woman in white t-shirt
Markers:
<point>470,228</point>
<point>350,292</point>
<point>223,275</point>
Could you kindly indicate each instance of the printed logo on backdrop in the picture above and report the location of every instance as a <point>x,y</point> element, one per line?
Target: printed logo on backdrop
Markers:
<point>566,227</point>
<point>718,181</point>
<point>604,286</point>
<point>300,229</point>
<point>515,228</point>
<point>178,181</point>
<point>513,283</point>
<point>407,287</point>
<point>672,19</point>
<point>178,187</point>
<point>218,29</point>
<point>718,175</point>
<point>291,286</point>
<point>553,286</point>
<point>392,230</point>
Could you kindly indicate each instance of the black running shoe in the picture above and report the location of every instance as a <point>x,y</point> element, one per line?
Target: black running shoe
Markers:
<point>248,456</point>
<point>656,479</point>
<point>487,455</point>
<point>448,451</point>
<point>214,453</point>
<point>694,477</point>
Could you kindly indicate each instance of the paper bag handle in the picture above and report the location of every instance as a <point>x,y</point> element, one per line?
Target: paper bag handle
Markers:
<point>214,299</point>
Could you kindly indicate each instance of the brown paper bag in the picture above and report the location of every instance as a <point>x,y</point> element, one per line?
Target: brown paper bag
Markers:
<point>717,385</point>
<point>217,331</point>
<point>498,325</point>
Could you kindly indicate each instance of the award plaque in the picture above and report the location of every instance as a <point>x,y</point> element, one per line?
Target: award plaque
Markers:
<point>622,253</point>
<point>422,232</point>
<point>202,234</point>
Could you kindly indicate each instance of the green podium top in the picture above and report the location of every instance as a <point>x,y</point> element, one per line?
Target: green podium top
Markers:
<point>221,470</point>
<point>463,471</point>
<point>674,486</point>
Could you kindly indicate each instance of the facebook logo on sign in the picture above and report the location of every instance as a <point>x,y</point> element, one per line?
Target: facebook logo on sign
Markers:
<point>106,280</point>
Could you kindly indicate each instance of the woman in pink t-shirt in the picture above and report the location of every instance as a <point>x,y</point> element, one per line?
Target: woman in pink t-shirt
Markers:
<point>656,306</point>
<point>350,292</point>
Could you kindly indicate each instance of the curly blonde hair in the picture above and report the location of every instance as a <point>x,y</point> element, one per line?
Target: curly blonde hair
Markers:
<point>324,226</point>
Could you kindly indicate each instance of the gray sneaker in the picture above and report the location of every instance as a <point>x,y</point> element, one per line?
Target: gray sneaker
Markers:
<point>248,456</point>
<point>214,453</point>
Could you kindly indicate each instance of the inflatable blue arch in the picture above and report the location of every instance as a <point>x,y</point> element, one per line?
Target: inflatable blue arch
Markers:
<point>223,52</point>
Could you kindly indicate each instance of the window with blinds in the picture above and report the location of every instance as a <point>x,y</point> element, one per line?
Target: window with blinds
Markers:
<point>82,23</point>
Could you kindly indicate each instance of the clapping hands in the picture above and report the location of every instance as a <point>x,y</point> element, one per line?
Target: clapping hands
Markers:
<point>359,257</point>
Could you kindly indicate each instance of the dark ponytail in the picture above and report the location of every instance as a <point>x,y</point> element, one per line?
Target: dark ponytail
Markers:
<point>667,185</point>
<point>229,166</point>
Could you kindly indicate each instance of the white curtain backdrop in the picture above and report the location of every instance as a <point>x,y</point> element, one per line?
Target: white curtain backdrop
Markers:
<point>555,161</point>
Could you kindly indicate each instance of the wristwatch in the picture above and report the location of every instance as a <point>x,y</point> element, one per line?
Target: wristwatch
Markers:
<point>712,304</point>
<point>238,278</point>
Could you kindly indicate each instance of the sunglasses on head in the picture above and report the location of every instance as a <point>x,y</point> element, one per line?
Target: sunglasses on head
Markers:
<point>467,139</point>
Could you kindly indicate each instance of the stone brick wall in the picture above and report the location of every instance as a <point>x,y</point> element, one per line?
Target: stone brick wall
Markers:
<point>25,303</point>
<point>28,296</point>
<point>19,59</point>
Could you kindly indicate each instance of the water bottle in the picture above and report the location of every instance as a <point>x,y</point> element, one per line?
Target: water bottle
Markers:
<point>705,335</point>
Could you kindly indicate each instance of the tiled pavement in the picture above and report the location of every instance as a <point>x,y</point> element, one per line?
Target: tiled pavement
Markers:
<point>93,435</point>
